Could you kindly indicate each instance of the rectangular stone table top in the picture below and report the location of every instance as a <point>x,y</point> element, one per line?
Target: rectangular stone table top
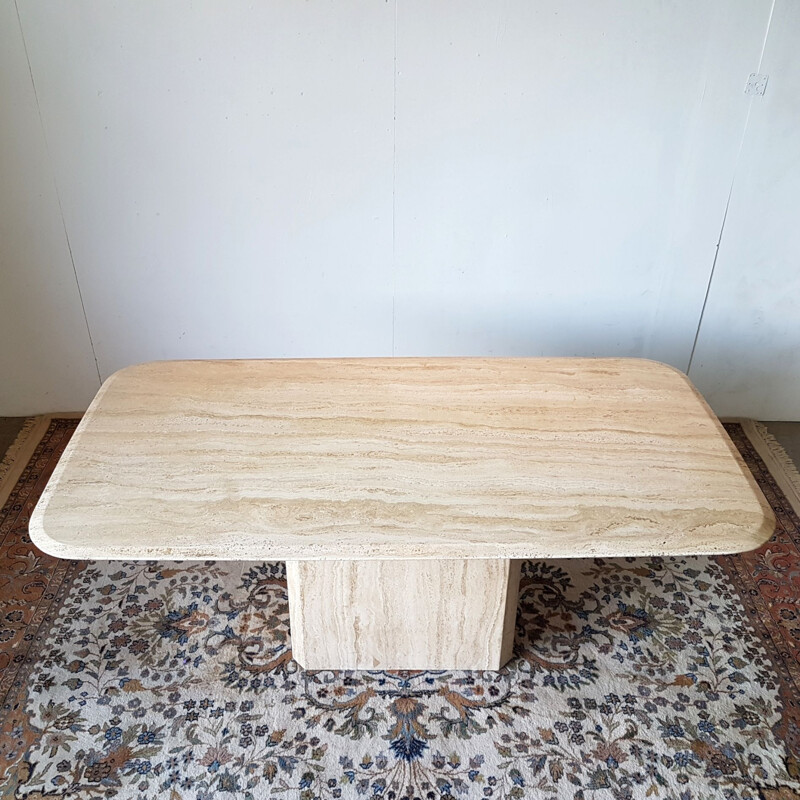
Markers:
<point>403,458</point>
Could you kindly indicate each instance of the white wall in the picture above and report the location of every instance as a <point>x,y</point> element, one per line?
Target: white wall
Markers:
<point>747,359</point>
<point>368,178</point>
<point>46,360</point>
<point>562,170</point>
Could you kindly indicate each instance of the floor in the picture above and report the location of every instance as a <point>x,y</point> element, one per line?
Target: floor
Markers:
<point>787,433</point>
<point>9,428</point>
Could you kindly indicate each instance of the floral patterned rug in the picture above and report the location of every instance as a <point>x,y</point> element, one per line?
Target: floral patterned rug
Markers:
<point>669,678</point>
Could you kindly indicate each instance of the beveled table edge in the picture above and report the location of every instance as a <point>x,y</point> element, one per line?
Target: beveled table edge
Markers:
<point>54,547</point>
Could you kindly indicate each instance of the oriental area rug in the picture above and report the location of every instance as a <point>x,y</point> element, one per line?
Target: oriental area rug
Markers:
<point>668,678</point>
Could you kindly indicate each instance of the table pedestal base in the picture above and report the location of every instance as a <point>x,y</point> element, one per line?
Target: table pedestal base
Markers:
<point>403,614</point>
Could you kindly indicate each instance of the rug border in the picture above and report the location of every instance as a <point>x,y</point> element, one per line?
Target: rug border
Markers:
<point>23,447</point>
<point>775,458</point>
<point>18,455</point>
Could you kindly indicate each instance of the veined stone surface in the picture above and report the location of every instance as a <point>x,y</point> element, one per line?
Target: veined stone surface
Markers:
<point>416,614</point>
<point>399,458</point>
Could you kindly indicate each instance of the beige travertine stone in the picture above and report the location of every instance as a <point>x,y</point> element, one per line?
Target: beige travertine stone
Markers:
<point>420,614</point>
<point>399,458</point>
<point>401,492</point>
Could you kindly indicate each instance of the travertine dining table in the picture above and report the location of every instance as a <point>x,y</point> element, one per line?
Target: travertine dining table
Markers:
<point>402,493</point>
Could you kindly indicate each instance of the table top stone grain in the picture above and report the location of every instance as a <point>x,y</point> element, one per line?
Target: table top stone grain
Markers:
<point>399,458</point>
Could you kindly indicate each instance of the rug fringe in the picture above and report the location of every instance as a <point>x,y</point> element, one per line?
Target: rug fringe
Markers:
<point>16,446</point>
<point>19,453</point>
<point>22,450</point>
<point>778,461</point>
